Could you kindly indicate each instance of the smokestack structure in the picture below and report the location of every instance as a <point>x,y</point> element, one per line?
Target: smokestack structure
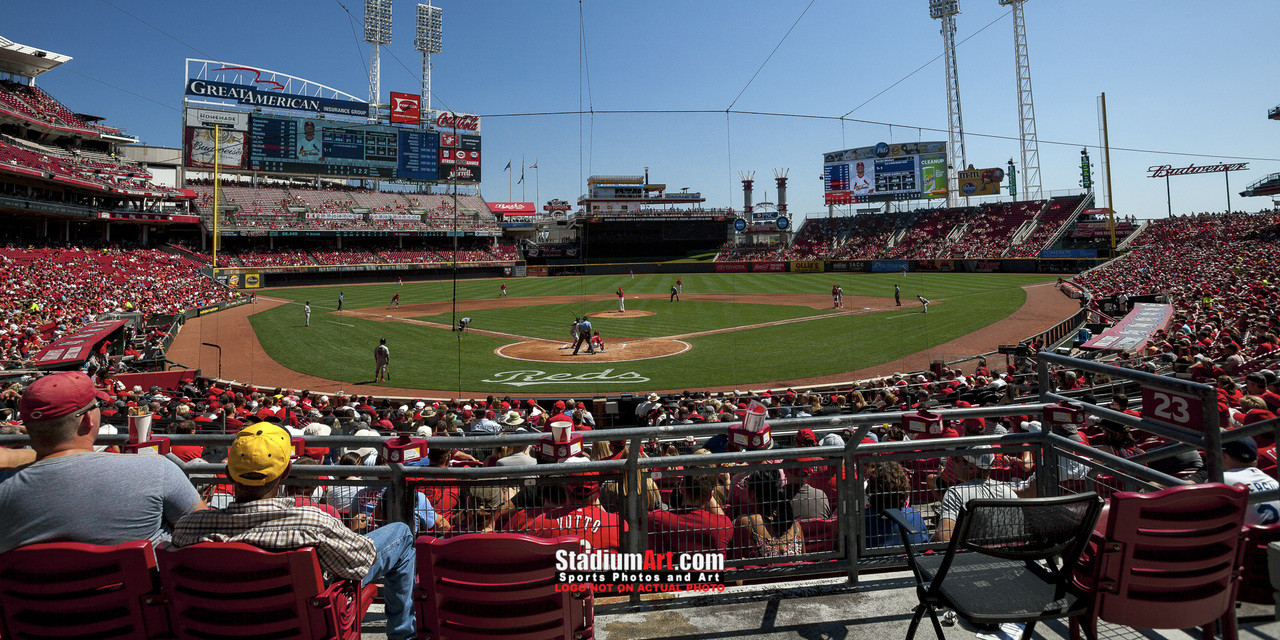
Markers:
<point>747,180</point>
<point>780,177</point>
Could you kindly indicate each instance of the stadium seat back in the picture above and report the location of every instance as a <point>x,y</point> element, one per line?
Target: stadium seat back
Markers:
<point>498,586</point>
<point>1170,559</point>
<point>74,590</point>
<point>234,590</point>
<point>1255,577</point>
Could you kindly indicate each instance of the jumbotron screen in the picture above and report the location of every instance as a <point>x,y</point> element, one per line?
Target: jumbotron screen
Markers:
<point>904,171</point>
<point>317,146</point>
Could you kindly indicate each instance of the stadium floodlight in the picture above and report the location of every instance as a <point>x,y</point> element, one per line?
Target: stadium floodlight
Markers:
<point>377,21</point>
<point>430,27</point>
<point>942,8</point>
<point>377,32</point>
<point>945,11</point>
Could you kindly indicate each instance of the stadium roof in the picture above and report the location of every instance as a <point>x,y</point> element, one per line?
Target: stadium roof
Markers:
<point>27,61</point>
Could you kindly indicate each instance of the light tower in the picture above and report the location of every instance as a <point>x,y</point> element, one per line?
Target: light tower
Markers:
<point>1030,142</point>
<point>377,32</point>
<point>428,42</point>
<point>946,10</point>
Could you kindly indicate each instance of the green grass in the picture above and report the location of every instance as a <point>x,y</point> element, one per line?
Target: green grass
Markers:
<point>340,347</point>
<point>688,316</point>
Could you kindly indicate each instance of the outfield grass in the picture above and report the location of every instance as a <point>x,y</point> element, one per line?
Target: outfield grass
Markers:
<point>340,347</point>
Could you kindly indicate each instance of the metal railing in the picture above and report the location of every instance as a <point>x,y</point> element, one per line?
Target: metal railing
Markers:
<point>631,489</point>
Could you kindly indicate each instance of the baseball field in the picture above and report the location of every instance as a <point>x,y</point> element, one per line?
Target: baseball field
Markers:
<point>725,331</point>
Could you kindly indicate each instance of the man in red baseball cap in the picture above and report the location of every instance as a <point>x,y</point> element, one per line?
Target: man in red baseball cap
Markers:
<point>72,492</point>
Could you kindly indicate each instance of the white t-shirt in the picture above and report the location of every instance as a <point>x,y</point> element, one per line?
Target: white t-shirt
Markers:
<point>1255,480</point>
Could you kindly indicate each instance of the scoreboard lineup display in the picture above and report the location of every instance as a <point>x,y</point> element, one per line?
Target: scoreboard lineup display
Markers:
<point>318,146</point>
<point>906,171</point>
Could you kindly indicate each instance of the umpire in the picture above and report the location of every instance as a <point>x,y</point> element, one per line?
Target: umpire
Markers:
<point>584,336</point>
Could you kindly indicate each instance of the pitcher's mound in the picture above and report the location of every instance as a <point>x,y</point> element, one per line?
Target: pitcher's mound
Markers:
<point>615,350</point>
<point>624,314</point>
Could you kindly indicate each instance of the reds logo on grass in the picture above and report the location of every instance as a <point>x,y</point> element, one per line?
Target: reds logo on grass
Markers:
<point>528,377</point>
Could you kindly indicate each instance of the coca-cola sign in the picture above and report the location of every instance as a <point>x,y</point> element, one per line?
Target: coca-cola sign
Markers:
<point>460,121</point>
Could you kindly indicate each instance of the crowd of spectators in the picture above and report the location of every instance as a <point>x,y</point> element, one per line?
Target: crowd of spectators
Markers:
<point>988,231</point>
<point>47,291</point>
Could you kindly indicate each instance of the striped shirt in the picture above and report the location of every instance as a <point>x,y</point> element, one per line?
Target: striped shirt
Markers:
<point>276,524</point>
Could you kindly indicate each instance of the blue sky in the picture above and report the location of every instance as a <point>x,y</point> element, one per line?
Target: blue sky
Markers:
<point>1179,78</point>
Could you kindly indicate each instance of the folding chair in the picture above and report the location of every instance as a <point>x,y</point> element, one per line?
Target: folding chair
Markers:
<point>231,590</point>
<point>1009,560</point>
<point>76,590</point>
<point>498,585</point>
<point>1168,560</point>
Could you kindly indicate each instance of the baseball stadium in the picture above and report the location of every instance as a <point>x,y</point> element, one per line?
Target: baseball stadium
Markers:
<point>299,369</point>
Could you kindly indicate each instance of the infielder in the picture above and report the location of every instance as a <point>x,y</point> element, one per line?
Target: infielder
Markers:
<point>622,301</point>
<point>306,308</point>
<point>502,291</point>
<point>381,358</point>
<point>897,295</point>
<point>395,300</point>
<point>923,302</point>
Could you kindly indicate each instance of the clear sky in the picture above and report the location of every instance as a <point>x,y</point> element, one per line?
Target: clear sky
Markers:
<point>1181,78</point>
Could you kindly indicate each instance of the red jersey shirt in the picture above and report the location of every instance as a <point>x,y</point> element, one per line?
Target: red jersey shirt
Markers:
<point>595,525</point>
<point>689,531</point>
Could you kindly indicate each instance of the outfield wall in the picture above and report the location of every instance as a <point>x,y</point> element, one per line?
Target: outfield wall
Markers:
<point>821,266</point>
<point>249,278</point>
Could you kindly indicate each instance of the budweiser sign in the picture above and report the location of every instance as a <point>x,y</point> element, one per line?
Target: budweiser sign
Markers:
<point>1164,170</point>
<point>460,121</point>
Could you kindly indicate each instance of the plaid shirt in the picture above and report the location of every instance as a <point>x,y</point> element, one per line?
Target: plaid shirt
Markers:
<point>276,524</point>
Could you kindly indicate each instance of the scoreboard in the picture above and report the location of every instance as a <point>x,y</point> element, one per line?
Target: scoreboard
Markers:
<point>906,171</point>
<point>319,146</point>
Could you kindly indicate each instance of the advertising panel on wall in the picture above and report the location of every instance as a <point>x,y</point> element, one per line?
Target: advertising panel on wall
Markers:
<point>768,267</point>
<point>406,108</point>
<point>888,266</point>
<point>980,182</point>
<point>807,266</point>
<point>254,96</point>
<point>905,171</point>
<point>201,146</point>
<point>733,267</point>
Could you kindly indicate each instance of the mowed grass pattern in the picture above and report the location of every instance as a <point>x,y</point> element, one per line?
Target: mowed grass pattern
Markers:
<point>341,347</point>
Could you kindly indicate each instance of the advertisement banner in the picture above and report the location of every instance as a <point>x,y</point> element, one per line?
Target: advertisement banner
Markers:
<point>936,265</point>
<point>448,120</point>
<point>888,266</point>
<point>200,148</point>
<point>207,118</point>
<point>806,266</point>
<point>537,271</point>
<point>406,108</point>
<point>1069,253</point>
<point>732,267</point>
<point>274,99</point>
<point>252,280</point>
<point>1135,329</point>
<point>513,208</point>
<point>980,182</point>
<point>933,168</point>
<point>768,267</point>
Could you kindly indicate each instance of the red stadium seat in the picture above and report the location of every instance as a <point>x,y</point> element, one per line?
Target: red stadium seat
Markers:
<point>1168,560</point>
<point>1255,579</point>
<point>498,585</point>
<point>74,590</point>
<point>234,590</point>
